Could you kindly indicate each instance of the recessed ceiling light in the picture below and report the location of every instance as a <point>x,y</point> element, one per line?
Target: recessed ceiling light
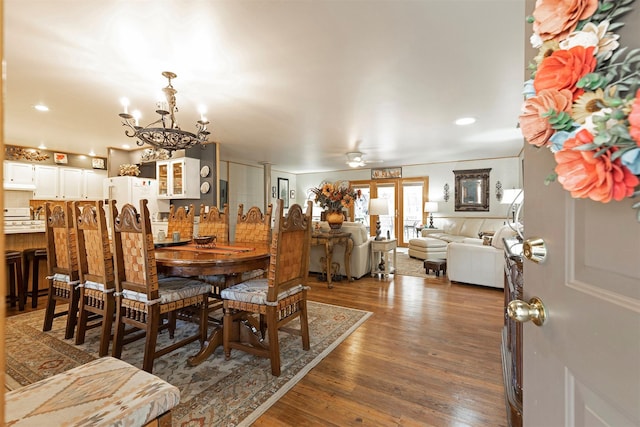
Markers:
<point>465,121</point>
<point>41,107</point>
<point>126,146</point>
<point>42,146</point>
<point>92,153</point>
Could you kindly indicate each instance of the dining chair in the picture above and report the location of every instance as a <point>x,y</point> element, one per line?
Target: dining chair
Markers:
<point>142,298</point>
<point>253,227</point>
<point>95,268</point>
<point>215,223</point>
<point>62,264</point>
<point>181,220</point>
<point>280,298</point>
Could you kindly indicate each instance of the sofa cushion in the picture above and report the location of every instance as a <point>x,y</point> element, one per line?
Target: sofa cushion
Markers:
<point>452,226</point>
<point>471,227</point>
<point>491,224</point>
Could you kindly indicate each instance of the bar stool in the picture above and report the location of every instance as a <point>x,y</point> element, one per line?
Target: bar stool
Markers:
<point>13,260</point>
<point>33,256</point>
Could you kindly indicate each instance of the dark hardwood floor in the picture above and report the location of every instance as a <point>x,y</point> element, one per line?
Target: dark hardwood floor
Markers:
<point>428,356</point>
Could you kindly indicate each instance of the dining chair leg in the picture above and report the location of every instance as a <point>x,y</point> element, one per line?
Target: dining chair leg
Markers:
<point>274,345</point>
<point>118,334</point>
<point>151,339</point>
<point>304,325</point>
<point>72,315</point>
<point>83,318</point>
<point>50,310</point>
<point>105,329</point>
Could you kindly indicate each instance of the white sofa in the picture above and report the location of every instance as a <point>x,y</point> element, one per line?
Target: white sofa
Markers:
<point>360,254</point>
<point>474,263</point>
<point>451,230</point>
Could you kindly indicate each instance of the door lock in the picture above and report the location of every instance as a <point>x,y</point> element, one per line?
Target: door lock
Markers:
<point>521,311</point>
<point>535,249</point>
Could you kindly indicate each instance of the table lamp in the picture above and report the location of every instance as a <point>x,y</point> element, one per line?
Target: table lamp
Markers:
<point>378,207</point>
<point>512,197</point>
<point>431,207</point>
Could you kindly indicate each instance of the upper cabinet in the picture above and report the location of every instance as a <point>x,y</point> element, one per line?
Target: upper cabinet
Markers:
<point>178,178</point>
<point>57,183</point>
<point>18,176</point>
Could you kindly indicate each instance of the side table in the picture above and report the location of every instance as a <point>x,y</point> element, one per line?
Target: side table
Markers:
<point>329,239</point>
<point>383,248</point>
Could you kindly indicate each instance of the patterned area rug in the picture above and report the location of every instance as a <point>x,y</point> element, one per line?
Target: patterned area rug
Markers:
<point>216,392</point>
<point>408,266</point>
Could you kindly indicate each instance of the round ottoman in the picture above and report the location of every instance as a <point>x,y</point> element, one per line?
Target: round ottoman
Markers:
<point>427,247</point>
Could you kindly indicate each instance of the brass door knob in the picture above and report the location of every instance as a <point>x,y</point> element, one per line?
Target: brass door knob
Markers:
<point>521,311</point>
<point>534,249</point>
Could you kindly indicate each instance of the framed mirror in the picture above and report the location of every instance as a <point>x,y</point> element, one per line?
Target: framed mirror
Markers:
<point>472,190</point>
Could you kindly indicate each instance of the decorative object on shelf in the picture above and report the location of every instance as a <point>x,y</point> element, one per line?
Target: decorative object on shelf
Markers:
<point>472,190</point>
<point>60,158</point>
<point>98,163</point>
<point>18,153</point>
<point>165,133</point>
<point>498,191</point>
<point>386,173</point>
<point>153,154</point>
<point>445,193</point>
<point>334,218</point>
<point>204,171</point>
<point>431,207</point>
<point>127,169</point>
<point>378,207</point>
<point>205,187</point>
<point>514,198</point>
<point>334,197</point>
<point>583,100</point>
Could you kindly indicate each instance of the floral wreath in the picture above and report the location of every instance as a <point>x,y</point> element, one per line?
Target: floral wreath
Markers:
<point>583,100</point>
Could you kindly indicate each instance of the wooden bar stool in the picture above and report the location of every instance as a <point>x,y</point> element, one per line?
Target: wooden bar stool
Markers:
<point>17,290</point>
<point>33,256</point>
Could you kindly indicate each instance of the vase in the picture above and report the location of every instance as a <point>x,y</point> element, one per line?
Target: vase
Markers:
<point>335,219</point>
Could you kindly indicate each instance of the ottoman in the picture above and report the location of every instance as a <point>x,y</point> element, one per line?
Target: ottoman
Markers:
<point>427,247</point>
<point>437,265</point>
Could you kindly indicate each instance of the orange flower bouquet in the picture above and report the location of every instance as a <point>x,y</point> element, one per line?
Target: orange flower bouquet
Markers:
<point>334,196</point>
<point>583,101</point>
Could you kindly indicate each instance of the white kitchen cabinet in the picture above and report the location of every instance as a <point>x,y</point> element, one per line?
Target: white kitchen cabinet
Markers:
<point>46,180</point>
<point>93,184</point>
<point>71,184</point>
<point>178,178</point>
<point>18,176</point>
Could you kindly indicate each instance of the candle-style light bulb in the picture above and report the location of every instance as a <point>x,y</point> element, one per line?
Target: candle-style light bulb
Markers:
<point>202,109</point>
<point>125,104</point>
<point>136,115</point>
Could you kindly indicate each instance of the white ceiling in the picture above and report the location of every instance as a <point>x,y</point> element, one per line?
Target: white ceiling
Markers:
<point>295,83</point>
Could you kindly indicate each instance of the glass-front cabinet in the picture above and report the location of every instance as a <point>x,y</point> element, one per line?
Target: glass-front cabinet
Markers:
<point>178,178</point>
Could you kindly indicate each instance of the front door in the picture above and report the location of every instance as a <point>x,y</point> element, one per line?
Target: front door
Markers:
<point>582,366</point>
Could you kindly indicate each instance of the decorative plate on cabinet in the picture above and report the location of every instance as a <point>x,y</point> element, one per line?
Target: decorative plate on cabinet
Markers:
<point>205,187</point>
<point>204,171</point>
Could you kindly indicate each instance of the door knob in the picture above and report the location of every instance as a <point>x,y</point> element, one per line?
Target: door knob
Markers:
<point>521,311</point>
<point>534,249</point>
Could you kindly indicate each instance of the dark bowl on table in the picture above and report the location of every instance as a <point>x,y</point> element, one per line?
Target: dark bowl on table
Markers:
<point>204,240</point>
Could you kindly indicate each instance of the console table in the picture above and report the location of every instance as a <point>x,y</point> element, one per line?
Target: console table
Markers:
<point>512,337</point>
<point>383,248</point>
<point>329,239</point>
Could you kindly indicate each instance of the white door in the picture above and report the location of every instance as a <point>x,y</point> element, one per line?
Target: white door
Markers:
<point>582,366</point>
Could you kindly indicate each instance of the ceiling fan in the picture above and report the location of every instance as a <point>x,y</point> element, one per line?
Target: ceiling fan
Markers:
<point>355,159</point>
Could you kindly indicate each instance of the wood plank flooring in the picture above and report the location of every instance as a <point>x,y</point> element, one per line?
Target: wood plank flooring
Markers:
<point>428,356</point>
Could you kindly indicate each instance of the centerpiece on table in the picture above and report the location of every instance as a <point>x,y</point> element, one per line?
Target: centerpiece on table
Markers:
<point>334,197</point>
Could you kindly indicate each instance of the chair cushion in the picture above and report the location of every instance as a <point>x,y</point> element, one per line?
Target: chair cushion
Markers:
<point>255,292</point>
<point>172,289</point>
<point>93,285</point>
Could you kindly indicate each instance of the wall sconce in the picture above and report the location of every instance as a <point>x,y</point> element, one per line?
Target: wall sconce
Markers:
<point>498,191</point>
<point>445,195</point>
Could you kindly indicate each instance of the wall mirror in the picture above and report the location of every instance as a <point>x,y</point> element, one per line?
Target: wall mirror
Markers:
<point>472,190</point>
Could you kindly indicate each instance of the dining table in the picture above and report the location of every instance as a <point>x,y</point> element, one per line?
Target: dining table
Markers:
<point>192,260</point>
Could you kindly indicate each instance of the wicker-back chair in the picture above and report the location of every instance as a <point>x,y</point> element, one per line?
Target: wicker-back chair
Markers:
<point>215,223</point>
<point>279,298</point>
<point>62,263</point>
<point>142,298</point>
<point>253,226</point>
<point>97,280</point>
<point>181,221</point>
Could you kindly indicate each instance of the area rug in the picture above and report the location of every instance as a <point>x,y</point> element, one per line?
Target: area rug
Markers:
<point>408,266</point>
<point>214,393</point>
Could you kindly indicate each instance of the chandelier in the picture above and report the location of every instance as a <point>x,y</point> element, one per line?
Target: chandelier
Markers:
<point>165,132</point>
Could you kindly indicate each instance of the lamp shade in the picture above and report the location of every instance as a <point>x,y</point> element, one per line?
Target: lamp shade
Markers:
<point>512,195</point>
<point>378,207</point>
<point>431,206</point>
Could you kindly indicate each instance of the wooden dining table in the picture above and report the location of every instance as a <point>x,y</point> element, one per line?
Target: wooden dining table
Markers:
<point>229,260</point>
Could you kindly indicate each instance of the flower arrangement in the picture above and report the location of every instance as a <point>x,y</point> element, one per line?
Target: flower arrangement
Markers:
<point>583,100</point>
<point>334,196</point>
<point>129,170</point>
